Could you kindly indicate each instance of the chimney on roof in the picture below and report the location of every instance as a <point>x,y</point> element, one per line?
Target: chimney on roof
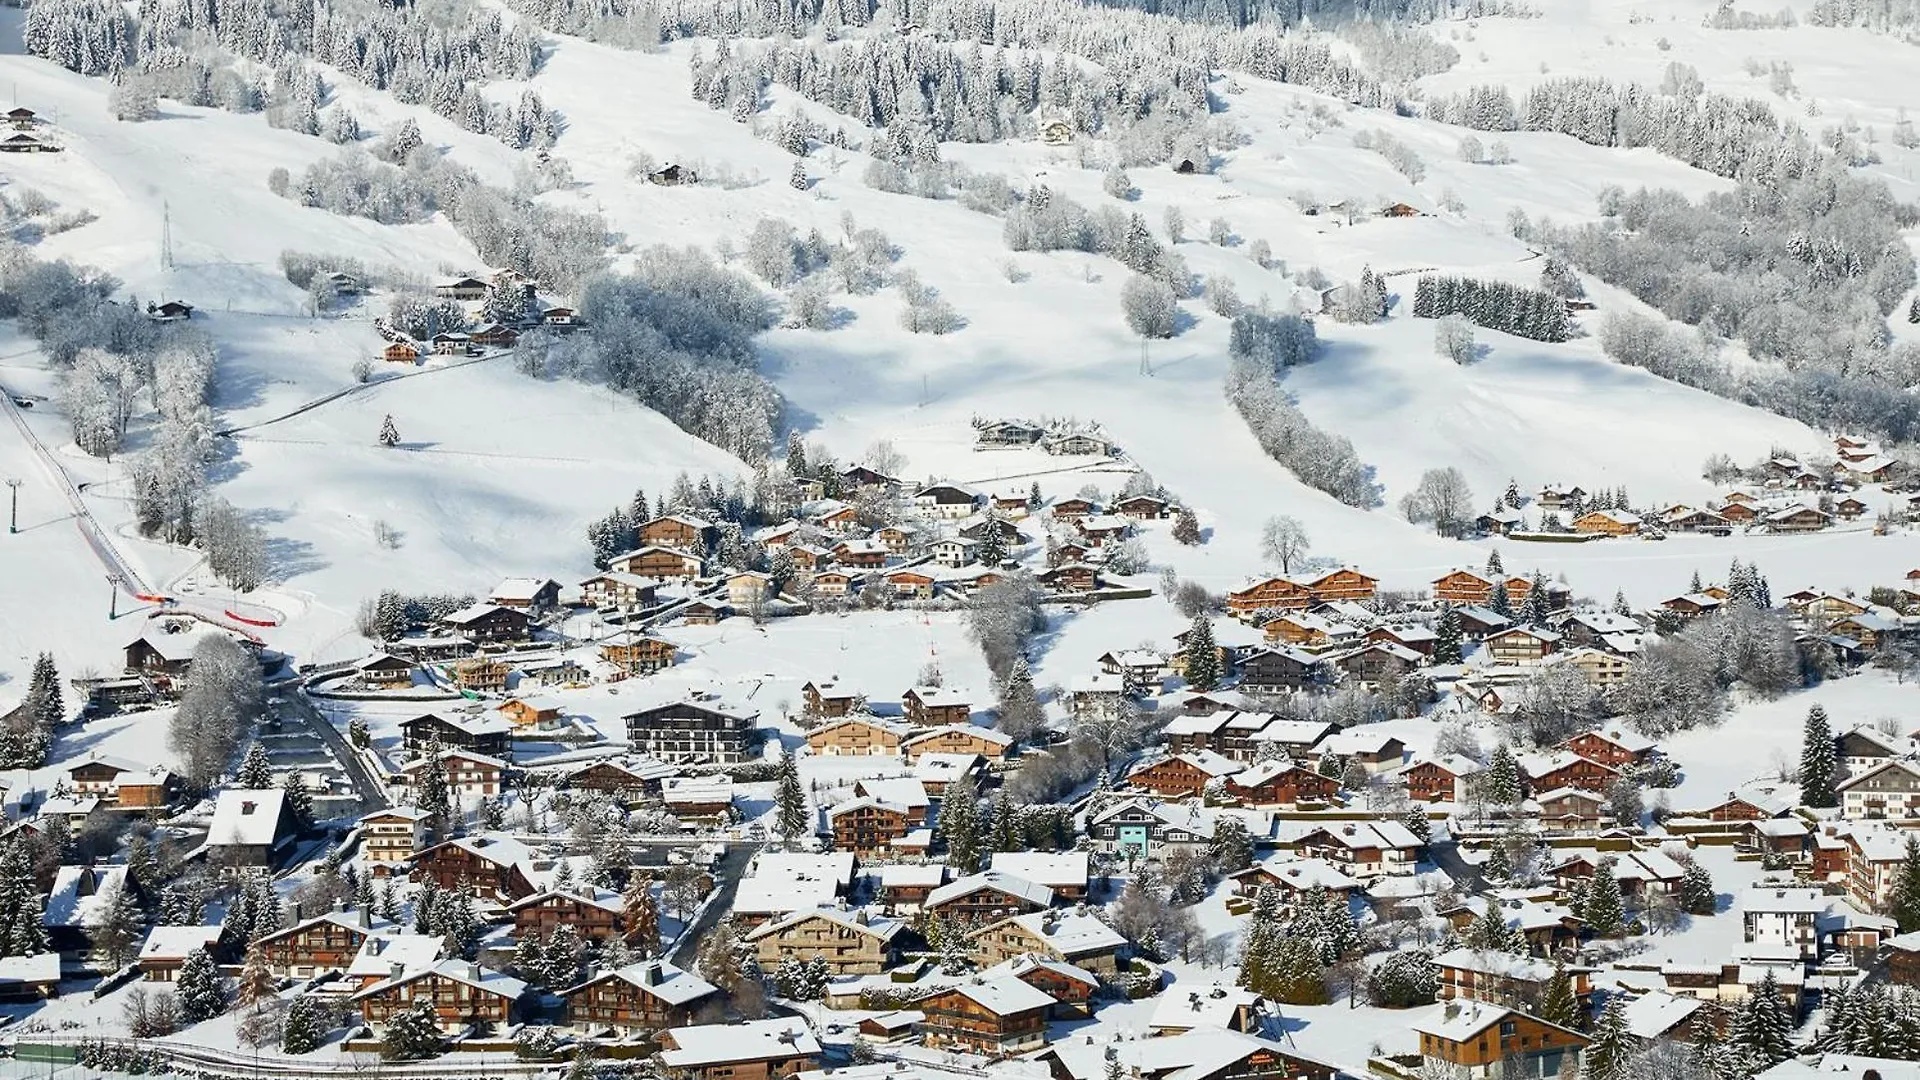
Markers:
<point>650,973</point>
<point>296,911</point>
<point>473,971</point>
<point>396,969</point>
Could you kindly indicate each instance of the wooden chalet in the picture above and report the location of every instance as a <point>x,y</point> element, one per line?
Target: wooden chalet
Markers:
<point>1071,936</point>
<point>401,352</point>
<point>867,826</point>
<point>962,739</point>
<point>659,563</point>
<point>1521,644</point>
<point>638,999</point>
<point>464,995</point>
<point>468,775</point>
<point>856,735</point>
<point>640,656</point>
<point>1607,523</point>
<point>848,942</point>
<point>317,946</point>
<point>613,589</point>
<point>745,1050</point>
<point>490,735</point>
<point>1488,1041</point>
<point>486,623</point>
<point>393,835</point>
<point>1071,577</point>
<point>1182,776</point>
<point>830,699</point>
<point>997,1017</point>
<point>1271,594</point>
<point>615,779</point>
<point>986,896</point>
<point>385,671</point>
<point>931,705</point>
<point>691,731</point>
<point>596,914</point>
<point>1615,747</point>
<point>488,865</point>
<point>1443,779</point>
<point>1144,507</point>
<point>1473,589</point>
<point>1280,784</point>
<point>1273,671</point>
<point>1545,772</point>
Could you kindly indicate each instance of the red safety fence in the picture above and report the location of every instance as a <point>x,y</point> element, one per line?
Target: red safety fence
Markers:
<point>237,617</point>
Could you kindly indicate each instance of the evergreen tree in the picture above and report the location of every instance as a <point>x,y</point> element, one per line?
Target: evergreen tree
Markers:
<point>993,543</point>
<point>1232,847</point>
<point>1034,501</point>
<point>1818,760</point>
<point>1604,912</point>
<point>200,989</point>
<point>1495,569</point>
<point>791,819</point>
<point>389,432</point>
<point>1202,655</point>
<point>1695,891</point>
<point>1020,714</point>
<point>357,733</point>
<point>121,926</point>
<point>1186,527</point>
<point>28,734</point>
<point>1763,1028</point>
<point>1512,497</point>
<point>22,908</point>
<point>1537,606</point>
<point>414,1034</point>
<point>1489,930</point>
<point>959,825</point>
<point>1708,1056</point>
<point>1503,777</point>
<point>1298,978</point>
<point>1416,820</point>
<point>1446,635</point>
<point>1258,944</point>
<point>432,793</point>
<point>1558,1003</point>
<point>307,1024</point>
<point>1620,605</point>
<point>1904,900</point>
<point>1610,1049</point>
<point>256,770</point>
<point>299,801</point>
<point>1499,603</point>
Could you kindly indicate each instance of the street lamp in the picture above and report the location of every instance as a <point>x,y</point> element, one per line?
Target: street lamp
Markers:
<point>113,598</point>
<point>13,520</point>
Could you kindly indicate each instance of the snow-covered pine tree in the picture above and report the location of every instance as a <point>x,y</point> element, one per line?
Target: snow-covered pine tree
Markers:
<point>256,770</point>
<point>389,431</point>
<point>1498,602</point>
<point>1762,1027</point>
<point>200,988</point>
<point>1904,900</point>
<point>791,819</point>
<point>1558,1003</point>
<point>1695,890</point>
<point>1819,760</point>
<point>299,801</point>
<point>1503,777</point>
<point>308,1021</point>
<point>1201,656</point>
<point>414,1034</point>
<point>1604,912</point>
<point>1494,567</point>
<point>1447,635</point>
<point>1610,1048</point>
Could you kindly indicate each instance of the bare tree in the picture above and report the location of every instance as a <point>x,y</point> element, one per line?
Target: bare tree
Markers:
<point>1442,497</point>
<point>1284,541</point>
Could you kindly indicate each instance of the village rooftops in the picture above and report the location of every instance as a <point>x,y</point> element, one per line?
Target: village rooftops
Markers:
<point>911,875</point>
<point>247,818</point>
<point>519,590</point>
<point>470,614</point>
<point>380,952</point>
<point>1302,874</point>
<point>1004,996</point>
<point>750,1040</point>
<point>1030,891</point>
<point>835,866</point>
<point>465,972</point>
<point>1505,965</point>
<point>1070,933</point>
<point>1053,869</point>
<point>660,979</point>
<point>69,904</point>
<point>175,942</point>
<point>1205,1052</point>
<point>1183,1008</point>
<point>1654,1014</point>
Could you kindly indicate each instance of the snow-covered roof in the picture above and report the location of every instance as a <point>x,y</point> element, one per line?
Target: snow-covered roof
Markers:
<point>902,791</point>
<point>1070,933</point>
<point>175,942</point>
<point>1361,740</point>
<point>379,954</point>
<point>521,590</point>
<point>247,818</point>
<point>1385,835</point>
<point>1053,869</point>
<point>1292,732</point>
<point>749,1040</point>
<point>686,790</point>
<point>1011,884</point>
<point>1657,1012</point>
<point>39,968</point>
<point>461,971</point>
<point>1912,770</point>
<point>1303,874</point>
<point>1494,962</point>
<point>941,695</point>
<point>1192,1055</point>
<point>1778,900</point>
<point>1026,962</point>
<point>1004,996</point>
<point>660,979</point>
<point>1182,1007</point>
<point>911,875</point>
<point>944,767</point>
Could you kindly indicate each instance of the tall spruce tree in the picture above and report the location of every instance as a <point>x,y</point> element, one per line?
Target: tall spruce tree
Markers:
<point>307,1024</point>
<point>1904,900</point>
<point>1499,602</point>
<point>959,825</point>
<point>414,1033</point>
<point>1695,891</point>
<point>1537,606</point>
<point>1604,912</point>
<point>256,769</point>
<point>790,819</point>
<point>1202,655</point>
<point>1503,777</point>
<point>1446,636</point>
<point>22,908</point>
<point>299,801</point>
<point>1559,1004</point>
<point>1819,760</point>
<point>1610,1049</point>
<point>1763,1028</point>
<point>200,988</point>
